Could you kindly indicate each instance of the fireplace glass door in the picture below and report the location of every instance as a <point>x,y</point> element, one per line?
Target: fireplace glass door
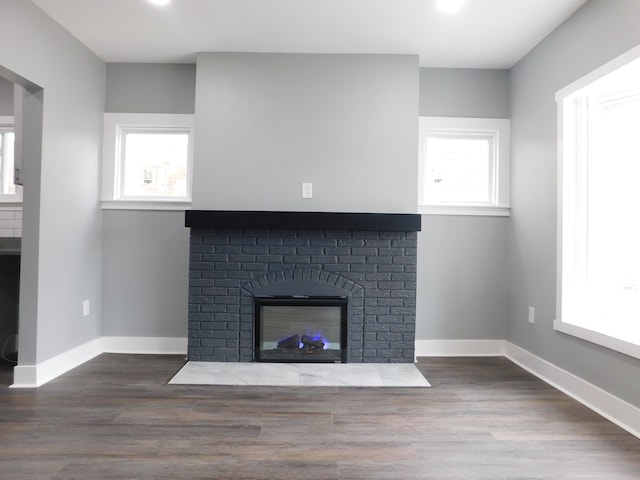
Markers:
<point>300,329</point>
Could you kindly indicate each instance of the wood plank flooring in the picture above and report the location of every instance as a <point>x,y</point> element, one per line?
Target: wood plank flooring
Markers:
<point>484,418</point>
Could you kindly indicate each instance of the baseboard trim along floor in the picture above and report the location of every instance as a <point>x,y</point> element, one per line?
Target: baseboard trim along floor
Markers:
<point>33,376</point>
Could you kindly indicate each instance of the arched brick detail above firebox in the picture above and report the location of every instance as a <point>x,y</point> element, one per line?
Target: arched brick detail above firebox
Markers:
<point>304,282</point>
<point>376,270</point>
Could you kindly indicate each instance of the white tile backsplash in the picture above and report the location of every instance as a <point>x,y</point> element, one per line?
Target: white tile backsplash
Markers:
<point>10,221</point>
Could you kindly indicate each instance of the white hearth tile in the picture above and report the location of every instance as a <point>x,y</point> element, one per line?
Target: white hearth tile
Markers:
<point>401,375</point>
<point>242,373</point>
<point>359,375</point>
<point>300,374</point>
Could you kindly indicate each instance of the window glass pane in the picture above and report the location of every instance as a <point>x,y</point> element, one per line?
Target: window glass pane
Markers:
<point>7,144</point>
<point>458,169</point>
<point>155,164</point>
<point>613,232</point>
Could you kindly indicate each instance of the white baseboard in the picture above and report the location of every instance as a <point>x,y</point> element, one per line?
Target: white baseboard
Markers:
<point>145,345</point>
<point>612,408</point>
<point>33,376</point>
<point>459,348</point>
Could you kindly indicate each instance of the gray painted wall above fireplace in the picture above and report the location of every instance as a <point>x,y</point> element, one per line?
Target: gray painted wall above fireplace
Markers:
<point>266,123</point>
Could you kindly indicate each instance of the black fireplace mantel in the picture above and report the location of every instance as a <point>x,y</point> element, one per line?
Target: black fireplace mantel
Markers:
<point>381,222</point>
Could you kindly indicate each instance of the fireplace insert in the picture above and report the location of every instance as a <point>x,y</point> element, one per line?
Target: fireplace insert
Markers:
<point>300,329</point>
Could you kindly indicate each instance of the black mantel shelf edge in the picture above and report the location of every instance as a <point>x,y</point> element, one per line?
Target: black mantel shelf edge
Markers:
<point>381,222</point>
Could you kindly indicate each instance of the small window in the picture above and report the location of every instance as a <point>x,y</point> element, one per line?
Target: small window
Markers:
<point>464,166</point>
<point>147,160</point>
<point>599,232</point>
<point>9,191</point>
<point>154,163</point>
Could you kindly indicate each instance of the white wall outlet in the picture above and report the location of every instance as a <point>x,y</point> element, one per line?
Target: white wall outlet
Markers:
<point>307,190</point>
<point>85,308</point>
<point>532,315</point>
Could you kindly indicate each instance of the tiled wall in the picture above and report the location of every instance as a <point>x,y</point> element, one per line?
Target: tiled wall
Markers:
<point>10,222</point>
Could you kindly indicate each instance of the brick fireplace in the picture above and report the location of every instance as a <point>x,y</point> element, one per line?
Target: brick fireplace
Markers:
<point>367,259</point>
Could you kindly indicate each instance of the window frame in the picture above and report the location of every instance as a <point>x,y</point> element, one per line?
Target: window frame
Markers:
<point>116,125</point>
<point>572,211</point>
<point>7,123</point>
<point>496,128</point>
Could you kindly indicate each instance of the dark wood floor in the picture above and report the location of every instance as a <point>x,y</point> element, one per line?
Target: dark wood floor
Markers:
<point>484,418</point>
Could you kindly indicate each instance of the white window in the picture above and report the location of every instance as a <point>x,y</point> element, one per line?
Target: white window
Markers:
<point>464,166</point>
<point>598,221</point>
<point>147,160</point>
<point>9,191</point>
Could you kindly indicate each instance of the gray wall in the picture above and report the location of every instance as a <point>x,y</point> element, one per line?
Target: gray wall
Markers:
<point>145,279</point>
<point>464,92</point>
<point>265,123</point>
<point>462,259</point>
<point>62,246</point>
<point>146,253</point>
<point>154,304</point>
<point>150,88</point>
<point>600,31</point>
<point>6,97</point>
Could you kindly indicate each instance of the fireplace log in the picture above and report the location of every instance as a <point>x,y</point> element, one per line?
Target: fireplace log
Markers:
<point>289,343</point>
<point>311,343</point>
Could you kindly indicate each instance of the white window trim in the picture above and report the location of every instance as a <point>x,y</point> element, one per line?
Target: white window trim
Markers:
<point>114,124</point>
<point>5,198</point>
<point>565,196</point>
<point>501,127</point>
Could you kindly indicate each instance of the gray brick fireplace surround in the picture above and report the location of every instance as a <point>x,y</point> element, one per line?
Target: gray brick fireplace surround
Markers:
<point>236,256</point>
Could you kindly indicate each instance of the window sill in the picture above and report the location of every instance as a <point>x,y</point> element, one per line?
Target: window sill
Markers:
<point>606,341</point>
<point>471,210</point>
<point>145,205</point>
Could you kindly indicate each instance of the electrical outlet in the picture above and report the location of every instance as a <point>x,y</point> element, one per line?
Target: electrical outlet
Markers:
<point>307,190</point>
<point>85,308</point>
<point>532,315</point>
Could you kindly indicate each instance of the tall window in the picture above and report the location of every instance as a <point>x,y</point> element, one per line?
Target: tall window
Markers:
<point>147,160</point>
<point>464,166</point>
<point>599,234</point>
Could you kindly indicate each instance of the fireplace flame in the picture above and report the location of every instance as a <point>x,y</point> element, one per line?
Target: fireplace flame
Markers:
<point>309,342</point>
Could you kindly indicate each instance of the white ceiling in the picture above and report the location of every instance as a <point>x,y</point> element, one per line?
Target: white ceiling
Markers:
<point>485,34</point>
